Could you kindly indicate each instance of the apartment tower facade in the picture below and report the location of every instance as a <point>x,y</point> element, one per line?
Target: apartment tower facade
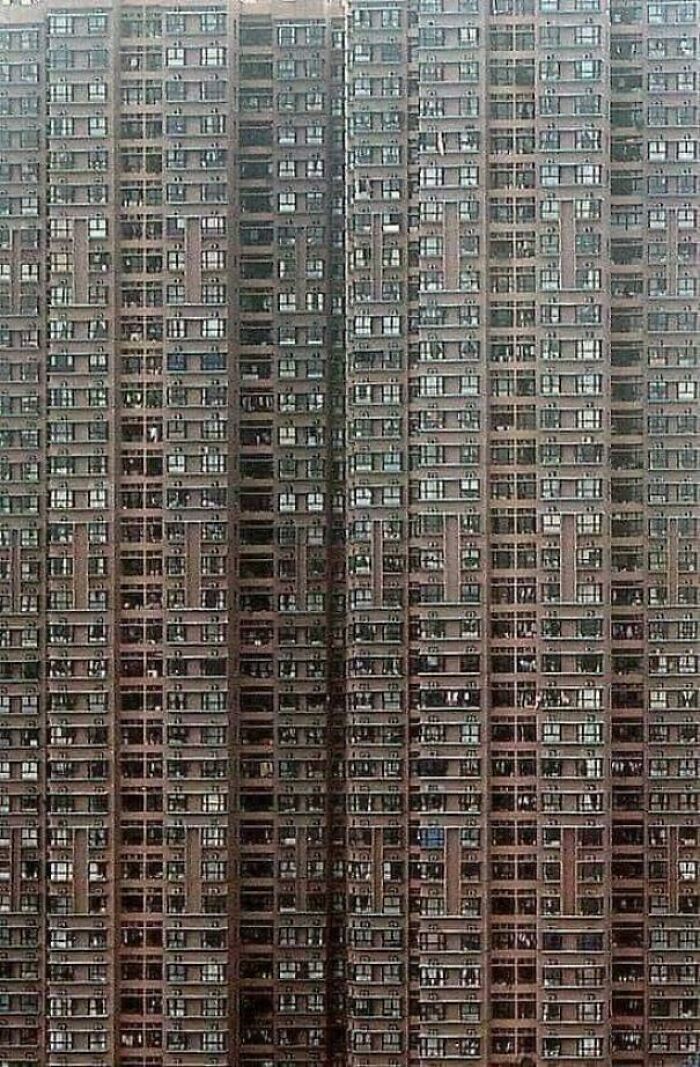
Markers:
<point>349,405</point>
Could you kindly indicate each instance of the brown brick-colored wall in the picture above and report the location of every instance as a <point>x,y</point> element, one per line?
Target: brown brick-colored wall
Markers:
<point>348,533</point>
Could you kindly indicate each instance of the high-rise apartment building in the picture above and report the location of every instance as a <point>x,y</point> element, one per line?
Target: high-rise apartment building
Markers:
<point>349,533</point>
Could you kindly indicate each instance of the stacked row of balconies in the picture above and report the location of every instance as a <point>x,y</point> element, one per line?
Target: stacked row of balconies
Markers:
<point>21,545</point>
<point>289,561</point>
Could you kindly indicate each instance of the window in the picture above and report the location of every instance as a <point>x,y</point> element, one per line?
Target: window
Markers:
<point>588,174</point>
<point>587,69</point>
<point>213,328</point>
<point>97,228</point>
<point>175,56</point>
<point>60,1041</point>
<point>61,871</point>
<point>61,25</point>
<point>469,176</point>
<point>212,972</point>
<point>212,56</point>
<point>549,174</point>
